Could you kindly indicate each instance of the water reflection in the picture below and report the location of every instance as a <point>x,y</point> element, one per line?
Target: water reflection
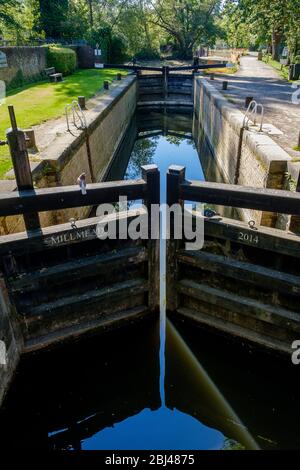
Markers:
<point>131,389</point>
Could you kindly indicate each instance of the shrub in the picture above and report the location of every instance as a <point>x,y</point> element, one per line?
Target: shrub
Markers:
<point>147,54</point>
<point>296,59</point>
<point>63,59</point>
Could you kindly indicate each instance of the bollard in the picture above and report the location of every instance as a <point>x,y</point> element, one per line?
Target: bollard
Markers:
<point>30,139</point>
<point>81,102</point>
<point>212,76</point>
<point>248,100</point>
<point>106,85</point>
<point>119,76</point>
<point>225,85</point>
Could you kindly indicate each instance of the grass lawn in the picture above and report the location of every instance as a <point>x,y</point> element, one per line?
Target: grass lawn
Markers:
<point>39,102</point>
<point>277,65</point>
<point>227,70</point>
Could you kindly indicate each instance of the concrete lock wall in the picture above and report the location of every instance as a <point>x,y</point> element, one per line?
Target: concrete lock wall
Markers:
<point>29,61</point>
<point>108,116</point>
<point>243,157</point>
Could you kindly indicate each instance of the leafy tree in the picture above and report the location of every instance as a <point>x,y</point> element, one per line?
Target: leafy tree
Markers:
<point>53,15</point>
<point>10,13</point>
<point>188,22</point>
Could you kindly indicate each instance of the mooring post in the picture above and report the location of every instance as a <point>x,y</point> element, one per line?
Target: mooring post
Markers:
<point>119,76</point>
<point>82,102</point>
<point>151,174</point>
<point>19,155</point>
<point>106,85</point>
<point>175,176</point>
<point>224,85</point>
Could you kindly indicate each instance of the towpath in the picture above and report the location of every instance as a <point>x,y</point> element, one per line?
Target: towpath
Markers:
<point>257,79</point>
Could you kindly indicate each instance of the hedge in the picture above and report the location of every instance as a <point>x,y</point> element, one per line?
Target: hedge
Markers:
<point>63,59</point>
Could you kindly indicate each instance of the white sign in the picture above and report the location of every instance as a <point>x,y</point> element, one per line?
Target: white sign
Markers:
<point>3,60</point>
<point>98,52</point>
<point>99,66</point>
<point>285,52</point>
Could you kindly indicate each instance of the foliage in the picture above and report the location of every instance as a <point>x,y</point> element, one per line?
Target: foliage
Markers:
<point>147,54</point>
<point>296,59</point>
<point>62,59</point>
<point>188,23</point>
<point>53,14</point>
<point>269,22</point>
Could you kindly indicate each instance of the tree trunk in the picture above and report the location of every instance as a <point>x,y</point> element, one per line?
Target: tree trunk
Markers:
<point>91,13</point>
<point>276,41</point>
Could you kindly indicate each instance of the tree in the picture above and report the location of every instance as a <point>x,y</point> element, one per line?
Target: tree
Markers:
<point>53,14</point>
<point>7,10</point>
<point>188,22</point>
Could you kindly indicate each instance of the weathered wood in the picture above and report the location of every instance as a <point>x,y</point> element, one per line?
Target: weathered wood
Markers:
<point>175,176</point>
<point>219,325</point>
<point>46,199</point>
<point>122,289</point>
<point>246,306</point>
<point>77,269</point>
<point>242,271</point>
<point>295,220</point>
<point>82,102</point>
<point>19,155</point>
<point>61,235</point>
<point>272,200</point>
<point>151,175</point>
<point>265,238</point>
<point>91,326</point>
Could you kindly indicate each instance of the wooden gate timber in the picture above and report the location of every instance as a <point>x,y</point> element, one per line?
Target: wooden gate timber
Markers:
<point>62,280</point>
<point>245,282</point>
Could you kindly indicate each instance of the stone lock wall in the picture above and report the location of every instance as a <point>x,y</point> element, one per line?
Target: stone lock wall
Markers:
<point>243,157</point>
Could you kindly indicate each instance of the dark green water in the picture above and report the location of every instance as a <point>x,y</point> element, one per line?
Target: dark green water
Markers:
<point>154,385</point>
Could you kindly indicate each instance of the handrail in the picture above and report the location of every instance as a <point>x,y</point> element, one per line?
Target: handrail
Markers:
<point>271,200</point>
<point>161,69</point>
<point>244,197</point>
<point>66,197</point>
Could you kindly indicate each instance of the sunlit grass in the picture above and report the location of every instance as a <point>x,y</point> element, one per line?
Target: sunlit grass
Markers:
<point>42,101</point>
<point>281,69</point>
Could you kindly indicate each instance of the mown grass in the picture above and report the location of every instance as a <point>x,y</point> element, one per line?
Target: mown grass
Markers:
<point>39,102</point>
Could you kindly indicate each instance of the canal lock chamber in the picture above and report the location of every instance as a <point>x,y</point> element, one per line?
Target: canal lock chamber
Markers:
<point>154,384</point>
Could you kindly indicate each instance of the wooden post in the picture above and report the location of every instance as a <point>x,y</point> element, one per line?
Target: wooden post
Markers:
<point>18,151</point>
<point>82,102</point>
<point>151,174</point>
<point>224,85</point>
<point>165,81</point>
<point>295,219</point>
<point>248,100</point>
<point>175,176</point>
<point>106,85</point>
